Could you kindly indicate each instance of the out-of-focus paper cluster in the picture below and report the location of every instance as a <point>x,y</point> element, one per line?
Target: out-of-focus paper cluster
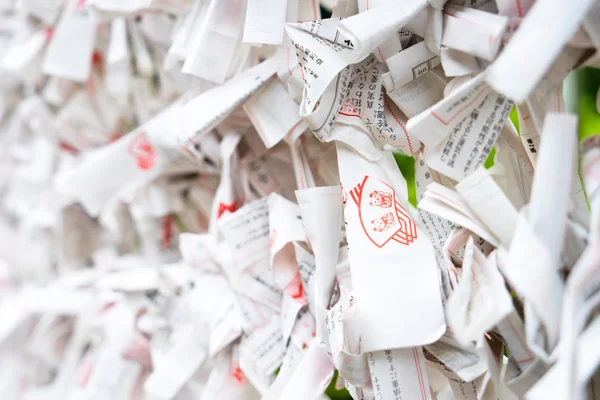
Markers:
<point>202,199</point>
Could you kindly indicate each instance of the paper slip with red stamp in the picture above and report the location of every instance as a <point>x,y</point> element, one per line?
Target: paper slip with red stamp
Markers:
<point>380,229</point>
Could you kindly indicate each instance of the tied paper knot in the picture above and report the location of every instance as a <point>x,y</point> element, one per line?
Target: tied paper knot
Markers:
<point>437,4</point>
<point>433,38</point>
<point>226,207</point>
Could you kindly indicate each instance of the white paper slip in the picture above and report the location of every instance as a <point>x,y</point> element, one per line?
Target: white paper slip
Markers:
<point>247,232</point>
<point>480,300</point>
<point>514,171</point>
<point>291,306</point>
<point>117,60</point>
<point>394,44</point>
<point>285,226</point>
<point>559,381</point>
<point>265,21</point>
<point>438,229</point>
<point>471,140</point>
<point>116,6</point>
<point>463,362</point>
<point>273,113</point>
<point>307,270</point>
<point>143,63</point>
<point>380,230</point>
<point>69,53</point>
<point>408,65</point>
<point>399,373</point>
<point>457,63</point>
<point>263,350</point>
<point>213,53</point>
<point>418,95</point>
<point>175,368</point>
<point>367,107</point>
<point>434,124</point>
<point>211,107</point>
<point>485,198</point>
<point>539,283</point>
<point>508,77</point>
<point>257,283</point>
<point>448,204</point>
<point>311,377</point>
<point>514,8</point>
<point>461,389</point>
<point>227,380</point>
<point>471,31</point>
<point>24,59</point>
<point>381,21</point>
<point>344,340</point>
<point>320,59</point>
<point>111,376</point>
<point>547,96</point>
<point>47,11</point>
<point>135,160</point>
<point>513,331</point>
<point>552,184</point>
<point>321,210</point>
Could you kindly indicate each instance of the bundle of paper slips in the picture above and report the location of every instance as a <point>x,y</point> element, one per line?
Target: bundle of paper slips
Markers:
<point>299,199</point>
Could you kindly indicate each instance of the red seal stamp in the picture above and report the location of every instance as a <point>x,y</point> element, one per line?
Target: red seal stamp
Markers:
<point>238,375</point>
<point>143,152</point>
<point>381,216</point>
<point>226,207</point>
<point>296,289</point>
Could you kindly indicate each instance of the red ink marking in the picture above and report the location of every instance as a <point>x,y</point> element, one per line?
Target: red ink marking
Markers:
<point>87,373</point>
<point>238,375</point>
<point>273,237</point>
<point>167,232</point>
<point>68,148</point>
<point>106,307</point>
<point>114,137</point>
<point>459,111</point>
<point>349,115</point>
<point>143,152</point>
<point>138,349</point>
<point>521,342</point>
<point>296,289</point>
<point>98,61</point>
<point>380,54</point>
<point>519,9</point>
<point>464,19</point>
<point>452,87</point>
<point>383,212</point>
<point>226,207</point>
<point>419,373</point>
<point>48,32</point>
